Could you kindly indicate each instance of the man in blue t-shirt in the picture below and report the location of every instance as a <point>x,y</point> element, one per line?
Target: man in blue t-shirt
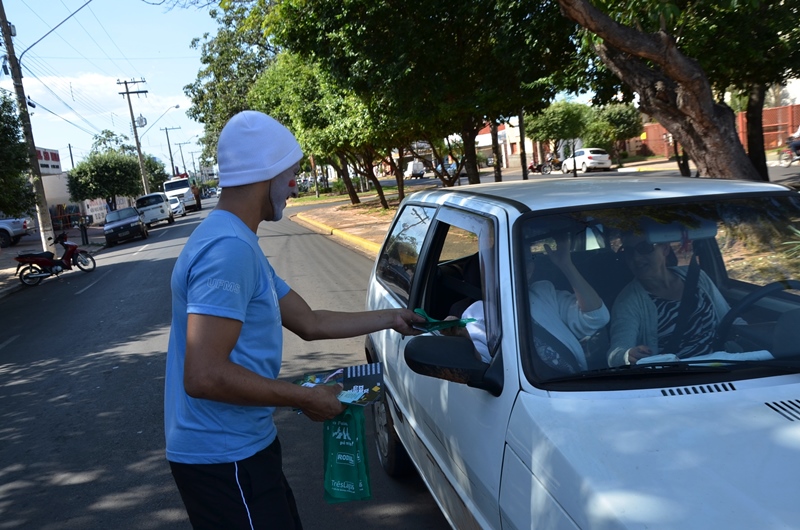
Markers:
<point>225,345</point>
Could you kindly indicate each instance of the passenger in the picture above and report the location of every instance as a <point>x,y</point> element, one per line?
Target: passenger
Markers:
<point>645,311</point>
<point>567,317</point>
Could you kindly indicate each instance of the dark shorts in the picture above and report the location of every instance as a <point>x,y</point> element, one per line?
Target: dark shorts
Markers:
<point>249,494</point>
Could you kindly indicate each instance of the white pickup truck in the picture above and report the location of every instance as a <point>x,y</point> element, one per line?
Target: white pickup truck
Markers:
<point>182,189</point>
<point>12,230</point>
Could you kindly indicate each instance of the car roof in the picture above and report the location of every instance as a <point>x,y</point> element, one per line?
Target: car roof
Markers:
<point>565,192</point>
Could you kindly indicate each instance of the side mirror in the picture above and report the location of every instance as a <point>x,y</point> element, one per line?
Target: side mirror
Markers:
<point>453,359</point>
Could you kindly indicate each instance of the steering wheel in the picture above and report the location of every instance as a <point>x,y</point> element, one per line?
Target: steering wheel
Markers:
<point>745,303</point>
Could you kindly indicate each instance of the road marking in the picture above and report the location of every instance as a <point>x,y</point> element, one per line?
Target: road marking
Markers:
<point>141,249</point>
<point>162,233</point>
<point>94,282</point>
<point>9,341</point>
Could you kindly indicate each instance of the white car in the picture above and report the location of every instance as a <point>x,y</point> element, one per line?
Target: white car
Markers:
<point>587,159</point>
<point>177,206</point>
<point>524,442</point>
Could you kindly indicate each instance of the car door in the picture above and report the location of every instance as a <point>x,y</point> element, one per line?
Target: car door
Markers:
<point>461,430</point>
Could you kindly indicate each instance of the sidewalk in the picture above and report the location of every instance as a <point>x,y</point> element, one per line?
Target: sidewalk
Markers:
<point>31,244</point>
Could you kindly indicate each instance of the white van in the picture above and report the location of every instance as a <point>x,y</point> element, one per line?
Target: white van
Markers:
<point>415,169</point>
<point>154,208</point>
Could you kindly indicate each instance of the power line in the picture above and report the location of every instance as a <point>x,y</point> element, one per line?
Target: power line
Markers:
<point>39,105</point>
<point>64,102</point>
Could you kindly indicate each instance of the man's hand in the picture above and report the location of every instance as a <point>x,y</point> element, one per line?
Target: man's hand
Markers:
<point>321,403</point>
<point>403,320</point>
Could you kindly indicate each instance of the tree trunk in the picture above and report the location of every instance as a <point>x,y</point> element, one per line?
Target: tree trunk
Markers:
<point>498,173</point>
<point>522,158</point>
<point>378,188</point>
<point>348,183</point>
<point>398,173</point>
<point>672,88</point>
<point>683,161</point>
<point>468,135</point>
<point>755,129</point>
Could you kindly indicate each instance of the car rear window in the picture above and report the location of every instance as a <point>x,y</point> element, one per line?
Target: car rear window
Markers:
<point>597,152</point>
<point>149,200</point>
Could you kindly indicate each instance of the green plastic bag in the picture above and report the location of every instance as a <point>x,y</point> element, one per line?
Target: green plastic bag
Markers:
<point>345,451</point>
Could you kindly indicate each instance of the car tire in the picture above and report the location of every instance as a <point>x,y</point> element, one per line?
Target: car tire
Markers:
<point>109,244</point>
<point>171,219</point>
<point>584,169</point>
<point>392,455</point>
<point>564,168</point>
<point>145,234</point>
<point>5,240</point>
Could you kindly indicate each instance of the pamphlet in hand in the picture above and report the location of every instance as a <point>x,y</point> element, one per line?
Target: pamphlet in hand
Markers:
<point>361,384</point>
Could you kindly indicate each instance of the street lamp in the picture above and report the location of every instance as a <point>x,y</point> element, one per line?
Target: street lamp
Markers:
<point>165,112</point>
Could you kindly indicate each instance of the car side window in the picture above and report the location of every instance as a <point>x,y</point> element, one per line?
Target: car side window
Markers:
<point>462,273</point>
<point>400,254</point>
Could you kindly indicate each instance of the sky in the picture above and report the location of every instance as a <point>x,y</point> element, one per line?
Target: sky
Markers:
<point>73,74</point>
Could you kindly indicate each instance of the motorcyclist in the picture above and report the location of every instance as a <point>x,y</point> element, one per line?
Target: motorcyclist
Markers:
<point>795,145</point>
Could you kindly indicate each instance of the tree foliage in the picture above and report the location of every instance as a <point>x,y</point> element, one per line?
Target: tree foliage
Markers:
<point>233,59</point>
<point>17,197</point>
<point>108,174</point>
<point>156,172</point>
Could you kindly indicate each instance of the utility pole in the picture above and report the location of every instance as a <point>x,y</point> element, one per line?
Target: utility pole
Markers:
<point>135,133</point>
<point>182,160</point>
<point>169,147</point>
<point>42,211</point>
<point>194,168</point>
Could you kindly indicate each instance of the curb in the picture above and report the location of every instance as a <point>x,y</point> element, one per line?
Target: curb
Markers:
<point>365,246</point>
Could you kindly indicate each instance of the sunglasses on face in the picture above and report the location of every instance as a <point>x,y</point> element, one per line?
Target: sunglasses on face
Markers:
<point>643,248</point>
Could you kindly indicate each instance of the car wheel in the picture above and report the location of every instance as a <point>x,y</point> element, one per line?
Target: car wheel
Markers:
<point>391,453</point>
<point>171,219</point>
<point>26,272</point>
<point>109,243</point>
<point>183,214</point>
<point>5,240</point>
<point>584,169</point>
<point>564,168</point>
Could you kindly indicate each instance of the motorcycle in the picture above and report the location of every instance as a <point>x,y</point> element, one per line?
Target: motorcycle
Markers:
<point>787,156</point>
<point>34,267</point>
<point>552,162</point>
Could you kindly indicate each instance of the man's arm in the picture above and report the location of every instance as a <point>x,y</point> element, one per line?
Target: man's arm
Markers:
<point>210,374</point>
<point>311,324</point>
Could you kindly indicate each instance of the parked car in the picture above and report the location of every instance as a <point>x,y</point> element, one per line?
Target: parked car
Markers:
<point>12,230</point>
<point>123,224</point>
<point>526,441</point>
<point>177,207</point>
<point>587,159</point>
<point>155,207</point>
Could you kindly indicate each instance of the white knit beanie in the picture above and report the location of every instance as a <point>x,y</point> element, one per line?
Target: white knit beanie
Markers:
<point>254,147</point>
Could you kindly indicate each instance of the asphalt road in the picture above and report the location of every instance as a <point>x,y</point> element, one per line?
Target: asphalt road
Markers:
<point>81,387</point>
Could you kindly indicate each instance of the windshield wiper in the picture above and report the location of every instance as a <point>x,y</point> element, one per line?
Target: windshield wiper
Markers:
<point>681,367</point>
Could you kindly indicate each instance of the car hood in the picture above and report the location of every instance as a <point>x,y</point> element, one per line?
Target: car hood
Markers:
<point>122,222</point>
<point>722,458</point>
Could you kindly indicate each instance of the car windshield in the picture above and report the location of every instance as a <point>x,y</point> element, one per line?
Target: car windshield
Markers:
<point>172,185</point>
<point>116,215</point>
<point>644,289</point>
<point>173,200</point>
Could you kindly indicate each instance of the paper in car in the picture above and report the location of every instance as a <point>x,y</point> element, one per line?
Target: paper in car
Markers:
<point>361,384</point>
<point>433,324</point>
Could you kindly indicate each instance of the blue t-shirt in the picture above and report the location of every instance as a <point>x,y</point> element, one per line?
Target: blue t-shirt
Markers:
<point>222,272</point>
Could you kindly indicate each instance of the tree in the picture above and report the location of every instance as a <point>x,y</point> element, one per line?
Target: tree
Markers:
<point>110,141</point>
<point>232,62</point>
<point>17,197</point>
<point>109,174</point>
<point>476,59</point>
<point>611,125</point>
<point>562,121</point>
<point>156,172</point>
<point>674,88</point>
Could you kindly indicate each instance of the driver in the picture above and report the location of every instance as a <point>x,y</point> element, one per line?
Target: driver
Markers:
<point>644,314</point>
